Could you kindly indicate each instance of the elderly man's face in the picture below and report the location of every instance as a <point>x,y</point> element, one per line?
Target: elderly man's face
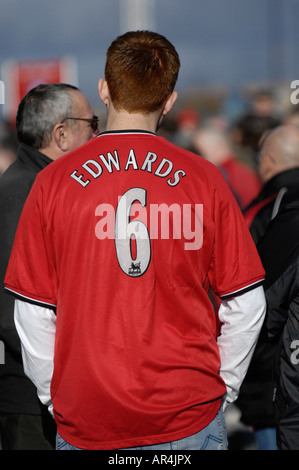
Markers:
<point>81,130</point>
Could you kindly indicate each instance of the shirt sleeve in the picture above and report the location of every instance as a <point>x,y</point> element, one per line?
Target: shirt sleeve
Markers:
<point>31,273</point>
<point>242,319</point>
<point>36,327</point>
<point>235,266</point>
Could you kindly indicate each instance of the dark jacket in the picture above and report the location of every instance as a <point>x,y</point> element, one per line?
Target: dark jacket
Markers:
<point>279,251</point>
<point>256,393</point>
<point>262,209</point>
<point>17,393</point>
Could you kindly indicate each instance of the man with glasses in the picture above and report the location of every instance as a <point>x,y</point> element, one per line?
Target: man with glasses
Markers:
<point>51,121</point>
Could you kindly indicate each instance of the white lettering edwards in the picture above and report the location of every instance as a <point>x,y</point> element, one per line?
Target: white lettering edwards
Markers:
<point>152,164</point>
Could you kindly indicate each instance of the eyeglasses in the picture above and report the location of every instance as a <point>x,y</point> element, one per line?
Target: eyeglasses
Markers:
<point>94,121</point>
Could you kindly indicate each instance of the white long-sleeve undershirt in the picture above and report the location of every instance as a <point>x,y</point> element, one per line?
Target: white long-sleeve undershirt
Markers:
<point>242,318</point>
<point>36,327</point>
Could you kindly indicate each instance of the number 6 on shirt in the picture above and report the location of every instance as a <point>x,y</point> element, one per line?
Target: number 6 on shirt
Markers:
<point>126,231</point>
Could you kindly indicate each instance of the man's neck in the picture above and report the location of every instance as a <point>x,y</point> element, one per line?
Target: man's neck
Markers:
<point>122,120</point>
<point>49,153</point>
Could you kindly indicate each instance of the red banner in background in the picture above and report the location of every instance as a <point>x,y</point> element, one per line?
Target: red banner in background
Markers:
<point>21,76</point>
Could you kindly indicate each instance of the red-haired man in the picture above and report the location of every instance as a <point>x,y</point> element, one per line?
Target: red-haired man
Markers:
<point>126,237</point>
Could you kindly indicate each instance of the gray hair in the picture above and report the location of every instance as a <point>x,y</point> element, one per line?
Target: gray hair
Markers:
<point>40,110</point>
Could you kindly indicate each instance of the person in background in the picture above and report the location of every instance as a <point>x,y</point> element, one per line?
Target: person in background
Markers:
<point>8,145</point>
<point>7,157</point>
<point>213,144</point>
<point>279,171</point>
<point>279,251</point>
<point>260,118</point>
<point>127,352</point>
<point>51,121</point>
<point>187,120</point>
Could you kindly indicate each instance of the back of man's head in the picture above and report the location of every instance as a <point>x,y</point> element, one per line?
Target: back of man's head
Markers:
<point>141,71</point>
<point>279,151</point>
<point>39,111</point>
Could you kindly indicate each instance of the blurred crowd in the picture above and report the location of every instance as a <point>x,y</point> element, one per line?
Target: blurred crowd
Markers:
<point>230,138</point>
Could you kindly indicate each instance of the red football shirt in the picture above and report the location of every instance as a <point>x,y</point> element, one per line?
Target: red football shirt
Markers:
<point>124,237</point>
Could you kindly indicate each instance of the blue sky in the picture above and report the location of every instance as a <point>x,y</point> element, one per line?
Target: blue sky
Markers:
<point>225,42</point>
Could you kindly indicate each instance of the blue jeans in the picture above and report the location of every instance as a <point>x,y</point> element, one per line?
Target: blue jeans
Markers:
<point>212,437</point>
<point>266,439</point>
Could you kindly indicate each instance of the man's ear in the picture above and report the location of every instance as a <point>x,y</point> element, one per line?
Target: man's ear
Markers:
<point>170,102</point>
<point>60,134</point>
<point>103,91</point>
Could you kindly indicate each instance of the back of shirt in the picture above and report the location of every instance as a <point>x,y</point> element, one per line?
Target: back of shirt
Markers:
<point>128,234</point>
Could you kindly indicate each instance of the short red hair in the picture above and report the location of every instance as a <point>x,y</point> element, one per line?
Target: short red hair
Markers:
<point>141,71</point>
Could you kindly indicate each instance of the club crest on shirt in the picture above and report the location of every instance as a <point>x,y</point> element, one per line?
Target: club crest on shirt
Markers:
<point>134,269</point>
